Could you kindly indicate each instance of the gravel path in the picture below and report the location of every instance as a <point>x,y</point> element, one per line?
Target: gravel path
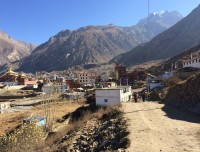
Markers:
<point>155,127</point>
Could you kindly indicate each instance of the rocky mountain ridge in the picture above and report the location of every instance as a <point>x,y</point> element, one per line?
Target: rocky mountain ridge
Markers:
<point>12,50</point>
<point>90,45</point>
<point>177,39</point>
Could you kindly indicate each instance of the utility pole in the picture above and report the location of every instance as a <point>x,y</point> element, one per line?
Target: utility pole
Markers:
<point>148,21</point>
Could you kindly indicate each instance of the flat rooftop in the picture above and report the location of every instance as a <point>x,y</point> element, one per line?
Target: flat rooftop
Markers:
<point>113,88</point>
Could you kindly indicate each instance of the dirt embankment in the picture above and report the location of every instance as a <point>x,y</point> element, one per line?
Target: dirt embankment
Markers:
<point>100,130</point>
<point>185,94</point>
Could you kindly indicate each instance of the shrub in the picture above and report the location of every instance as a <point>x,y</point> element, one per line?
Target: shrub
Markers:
<point>27,138</point>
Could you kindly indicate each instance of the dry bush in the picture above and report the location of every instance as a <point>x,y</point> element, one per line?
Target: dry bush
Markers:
<point>56,139</point>
<point>27,138</point>
<point>170,82</point>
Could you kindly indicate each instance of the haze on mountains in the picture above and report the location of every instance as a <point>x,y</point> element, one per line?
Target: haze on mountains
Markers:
<point>95,44</point>
<point>180,37</point>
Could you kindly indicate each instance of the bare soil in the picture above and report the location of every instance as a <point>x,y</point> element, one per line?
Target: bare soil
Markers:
<point>155,127</point>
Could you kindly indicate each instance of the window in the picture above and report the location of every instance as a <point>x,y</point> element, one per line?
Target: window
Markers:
<point>124,90</point>
<point>199,60</point>
<point>196,60</point>
<point>105,100</point>
<point>80,80</point>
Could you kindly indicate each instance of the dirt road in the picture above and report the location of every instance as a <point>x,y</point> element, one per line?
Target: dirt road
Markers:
<point>154,127</point>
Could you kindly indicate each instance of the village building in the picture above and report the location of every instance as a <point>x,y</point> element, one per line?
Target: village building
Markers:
<point>193,62</point>
<point>11,78</point>
<point>153,82</point>
<point>86,78</point>
<point>106,84</point>
<point>23,80</point>
<point>137,74</point>
<point>120,74</point>
<point>4,105</point>
<point>113,95</point>
<point>72,84</point>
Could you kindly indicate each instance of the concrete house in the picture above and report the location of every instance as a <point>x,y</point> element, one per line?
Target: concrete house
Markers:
<point>86,78</point>
<point>112,95</point>
<point>4,105</point>
<point>153,82</point>
<point>192,63</point>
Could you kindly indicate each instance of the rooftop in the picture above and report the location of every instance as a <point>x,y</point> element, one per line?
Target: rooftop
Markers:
<point>113,88</point>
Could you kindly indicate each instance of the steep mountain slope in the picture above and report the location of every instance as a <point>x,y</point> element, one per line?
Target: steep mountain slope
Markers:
<point>182,36</point>
<point>12,50</point>
<point>94,44</point>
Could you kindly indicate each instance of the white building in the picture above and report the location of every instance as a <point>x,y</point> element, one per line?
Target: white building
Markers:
<point>192,63</point>
<point>4,105</point>
<point>113,95</point>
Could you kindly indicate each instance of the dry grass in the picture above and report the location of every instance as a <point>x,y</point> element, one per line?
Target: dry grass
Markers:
<point>170,82</point>
<point>31,138</point>
<point>55,139</point>
<point>11,120</point>
<point>26,138</point>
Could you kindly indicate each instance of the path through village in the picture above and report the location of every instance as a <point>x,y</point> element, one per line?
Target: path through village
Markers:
<point>155,127</point>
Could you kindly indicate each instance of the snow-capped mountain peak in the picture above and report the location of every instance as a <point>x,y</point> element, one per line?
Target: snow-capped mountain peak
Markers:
<point>159,13</point>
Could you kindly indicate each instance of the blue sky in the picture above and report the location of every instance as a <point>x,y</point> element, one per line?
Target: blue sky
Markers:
<point>36,20</point>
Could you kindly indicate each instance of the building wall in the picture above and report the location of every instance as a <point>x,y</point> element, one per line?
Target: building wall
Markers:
<point>107,97</point>
<point>8,77</point>
<point>112,96</point>
<point>72,84</point>
<point>120,74</point>
<point>194,63</point>
<point>4,105</point>
<point>125,96</point>
<point>86,78</point>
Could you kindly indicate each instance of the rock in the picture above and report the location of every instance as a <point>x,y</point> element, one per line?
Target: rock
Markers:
<point>104,126</point>
<point>100,147</point>
<point>83,136</point>
<point>84,143</point>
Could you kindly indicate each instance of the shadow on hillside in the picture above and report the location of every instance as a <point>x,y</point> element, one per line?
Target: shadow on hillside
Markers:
<point>141,110</point>
<point>178,114</point>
